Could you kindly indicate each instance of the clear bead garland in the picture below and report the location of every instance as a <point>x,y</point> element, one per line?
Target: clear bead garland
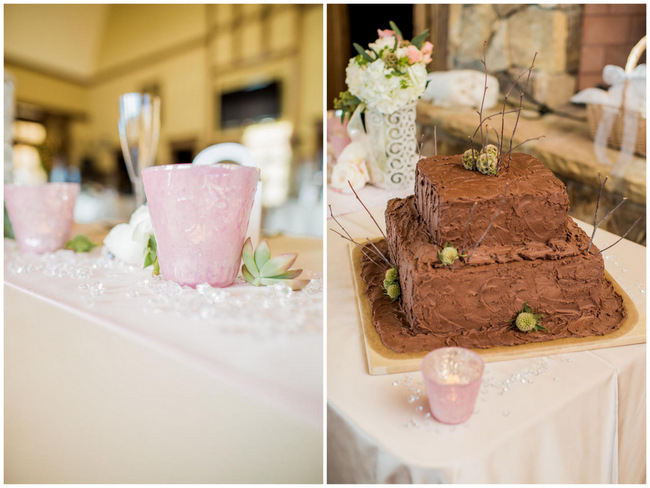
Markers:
<point>104,281</point>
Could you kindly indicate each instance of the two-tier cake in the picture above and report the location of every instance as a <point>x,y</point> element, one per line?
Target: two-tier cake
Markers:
<point>532,254</point>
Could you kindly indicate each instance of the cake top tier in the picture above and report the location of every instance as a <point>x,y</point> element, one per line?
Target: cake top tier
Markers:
<point>535,208</point>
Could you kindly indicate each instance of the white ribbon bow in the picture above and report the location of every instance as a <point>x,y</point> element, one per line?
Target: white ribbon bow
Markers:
<point>624,87</point>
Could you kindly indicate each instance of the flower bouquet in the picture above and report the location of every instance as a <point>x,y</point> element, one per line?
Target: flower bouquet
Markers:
<point>385,81</point>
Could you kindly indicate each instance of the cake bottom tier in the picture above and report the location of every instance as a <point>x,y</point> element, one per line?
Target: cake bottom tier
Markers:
<point>480,318</point>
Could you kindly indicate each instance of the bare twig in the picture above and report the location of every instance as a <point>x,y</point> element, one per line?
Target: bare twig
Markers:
<point>494,217</point>
<point>421,146</point>
<point>612,211</point>
<point>480,114</point>
<point>527,140</point>
<point>488,118</point>
<point>373,219</point>
<point>623,236</point>
<point>469,217</point>
<point>600,194</point>
<point>352,241</point>
<point>435,141</point>
<point>521,103</point>
<point>378,252</point>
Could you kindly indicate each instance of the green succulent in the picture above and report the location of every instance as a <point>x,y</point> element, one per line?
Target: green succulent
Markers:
<point>469,159</point>
<point>80,243</point>
<point>449,254</point>
<point>260,269</point>
<point>527,320</point>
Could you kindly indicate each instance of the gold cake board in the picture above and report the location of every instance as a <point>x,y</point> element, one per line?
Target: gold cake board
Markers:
<point>382,360</point>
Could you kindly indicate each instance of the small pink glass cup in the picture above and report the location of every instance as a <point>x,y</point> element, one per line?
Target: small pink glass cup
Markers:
<point>41,215</point>
<point>200,215</point>
<point>452,378</point>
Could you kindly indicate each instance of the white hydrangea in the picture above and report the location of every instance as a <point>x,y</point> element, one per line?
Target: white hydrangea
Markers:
<point>379,88</point>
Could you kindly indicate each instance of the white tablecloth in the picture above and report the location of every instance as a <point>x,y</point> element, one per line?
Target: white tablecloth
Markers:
<point>570,418</point>
<point>112,376</point>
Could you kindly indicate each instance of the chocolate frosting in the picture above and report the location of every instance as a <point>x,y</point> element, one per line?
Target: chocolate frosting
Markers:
<point>535,208</point>
<point>529,258</point>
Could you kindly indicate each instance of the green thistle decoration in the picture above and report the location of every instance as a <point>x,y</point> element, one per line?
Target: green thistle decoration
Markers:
<point>449,254</point>
<point>527,320</point>
<point>391,284</point>
<point>487,164</point>
<point>260,269</point>
<point>469,159</point>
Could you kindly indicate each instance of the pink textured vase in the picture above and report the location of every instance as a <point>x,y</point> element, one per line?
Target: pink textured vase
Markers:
<point>452,378</point>
<point>41,215</point>
<point>200,215</point>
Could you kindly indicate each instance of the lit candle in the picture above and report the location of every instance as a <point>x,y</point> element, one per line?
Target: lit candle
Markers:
<point>452,378</point>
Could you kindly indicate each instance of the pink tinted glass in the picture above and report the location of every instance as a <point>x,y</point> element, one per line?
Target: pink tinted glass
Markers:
<point>41,215</point>
<point>200,215</point>
<point>452,378</point>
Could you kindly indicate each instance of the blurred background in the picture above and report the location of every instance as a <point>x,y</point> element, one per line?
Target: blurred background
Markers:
<point>250,74</point>
<point>573,44</point>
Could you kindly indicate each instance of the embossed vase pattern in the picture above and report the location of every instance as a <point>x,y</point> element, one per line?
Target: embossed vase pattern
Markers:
<point>200,215</point>
<point>394,147</point>
<point>41,215</point>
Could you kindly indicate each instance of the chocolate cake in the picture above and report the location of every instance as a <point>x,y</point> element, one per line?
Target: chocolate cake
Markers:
<point>533,254</point>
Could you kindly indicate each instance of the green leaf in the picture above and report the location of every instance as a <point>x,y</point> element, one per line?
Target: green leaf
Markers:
<point>418,41</point>
<point>248,257</point>
<point>289,275</point>
<point>149,259</point>
<point>247,276</point>
<point>80,243</point>
<point>395,29</point>
<point>262,254</point>
<point>151,244</point>
<point>295,284</point>
<point>9,230</point>
<point>278,265</point>
<point>396,42</point>
<point>363,52</point>
<point>156,267</point>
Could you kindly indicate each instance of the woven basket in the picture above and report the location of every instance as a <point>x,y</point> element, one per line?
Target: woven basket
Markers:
<point>595,111</point>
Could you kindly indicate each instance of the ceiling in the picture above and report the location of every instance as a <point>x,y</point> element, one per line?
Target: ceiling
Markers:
<point>62,39</point>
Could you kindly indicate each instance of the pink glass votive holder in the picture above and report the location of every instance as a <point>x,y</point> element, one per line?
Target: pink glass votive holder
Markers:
<point>452,378</point>
<point>200,215</point>
<point>41,215</point>
<point>337,132</point>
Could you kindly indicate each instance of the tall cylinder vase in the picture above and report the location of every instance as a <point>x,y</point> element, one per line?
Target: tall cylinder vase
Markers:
<point>393,146</point>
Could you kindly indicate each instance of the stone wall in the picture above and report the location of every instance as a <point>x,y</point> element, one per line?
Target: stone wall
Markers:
<point>514,33</point>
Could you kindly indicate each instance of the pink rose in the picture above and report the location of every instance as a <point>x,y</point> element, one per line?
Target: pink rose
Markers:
<point>385,33</point>
<point>427,48</point>
<point>414,54</point>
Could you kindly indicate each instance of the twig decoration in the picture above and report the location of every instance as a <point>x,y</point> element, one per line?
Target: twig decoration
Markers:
<point>494,217</point>
<point>623,236</point>
<point>600,194</point>
<point>521,103</point>
<point>373,219</point>
<point>349,238</point>
<point>435,141</point>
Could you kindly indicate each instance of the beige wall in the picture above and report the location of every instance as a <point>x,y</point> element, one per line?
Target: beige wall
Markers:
<point>191,52</point>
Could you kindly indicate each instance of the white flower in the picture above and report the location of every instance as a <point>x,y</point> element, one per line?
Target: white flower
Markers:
<point>381,43</point>
<point>382,88</point>
<point>128,242</point>
<point>351,166</point>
